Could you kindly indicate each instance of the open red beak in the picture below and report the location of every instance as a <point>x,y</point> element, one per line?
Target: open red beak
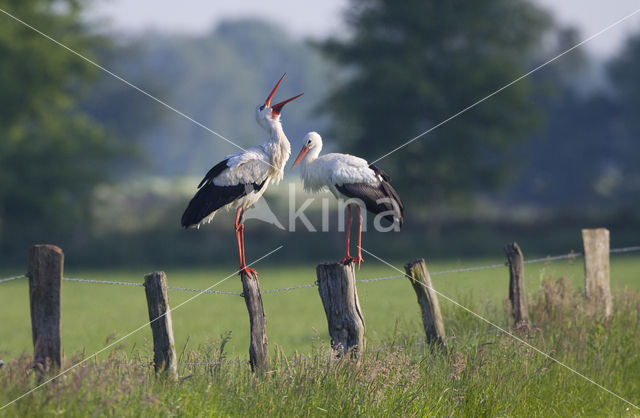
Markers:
<point>303,152</point>
<point>277,108</point>
<point>267,102</point>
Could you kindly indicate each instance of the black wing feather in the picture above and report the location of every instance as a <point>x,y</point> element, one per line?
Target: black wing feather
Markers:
<point>371,194</point>
<point>210,197</point>
<point>380,173</point>
<point>214,172</point>
<point>389,191</point>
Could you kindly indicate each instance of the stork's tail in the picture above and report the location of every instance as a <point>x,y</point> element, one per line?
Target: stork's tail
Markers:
<point>394,202</point>
<point>207,200</point>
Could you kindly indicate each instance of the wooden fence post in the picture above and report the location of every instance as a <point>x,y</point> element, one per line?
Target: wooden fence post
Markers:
<point>337,288</point>
<point>420,279</point>
<point>596,268</point>
<point>46,265</point>
<point>517,295</point>
<point>258,347</point>
<point>164,350</point>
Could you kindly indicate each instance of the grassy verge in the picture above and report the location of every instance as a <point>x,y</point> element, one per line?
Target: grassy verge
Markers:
<point>94,315</point>
<point>482,373</point>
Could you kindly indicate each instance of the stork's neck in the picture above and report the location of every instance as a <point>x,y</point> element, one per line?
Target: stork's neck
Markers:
<point>312,170</point>
<point>279,148</point>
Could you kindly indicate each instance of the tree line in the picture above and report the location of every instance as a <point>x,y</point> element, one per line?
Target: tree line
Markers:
<point>564,138</point>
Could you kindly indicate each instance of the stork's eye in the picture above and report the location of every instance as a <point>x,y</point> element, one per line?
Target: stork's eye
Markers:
<point>262,108</point>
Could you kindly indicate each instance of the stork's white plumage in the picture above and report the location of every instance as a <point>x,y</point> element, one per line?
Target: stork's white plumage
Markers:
<point>240,179</point>
<point>349,177</point>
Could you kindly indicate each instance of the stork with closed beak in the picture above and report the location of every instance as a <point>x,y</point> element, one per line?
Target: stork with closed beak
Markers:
<point>350,177</point>
<point>240,179</point>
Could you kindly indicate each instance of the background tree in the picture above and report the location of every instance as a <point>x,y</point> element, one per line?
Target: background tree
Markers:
<point>623,72</point>
<point>414,64</point>
<point>51,153</point>
<point>584,160</point>
<point>218,79</point>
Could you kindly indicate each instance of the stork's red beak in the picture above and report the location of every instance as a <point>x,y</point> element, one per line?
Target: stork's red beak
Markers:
<point>277,108</point>
<point>303,152</point>
<point>267,102</point>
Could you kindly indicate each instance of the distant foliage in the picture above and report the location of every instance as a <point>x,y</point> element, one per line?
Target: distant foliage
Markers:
<point>217,79</point>
<point>624,70</point>
<point>51,153</point>
<point>585,159</point>
<point>414,64</point>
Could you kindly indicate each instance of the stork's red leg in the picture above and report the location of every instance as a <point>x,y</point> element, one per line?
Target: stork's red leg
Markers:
<point>359,258</point>
<point>239,239</point>
<point>347,258</point>
<point>243,263</point>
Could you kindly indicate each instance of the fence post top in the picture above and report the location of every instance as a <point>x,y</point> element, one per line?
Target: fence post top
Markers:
<point>512,246</point>
<point>410,264</point>
<point>48,247</point>
<point>587,230</point>
<point>155,277</point>
<point>325,265</point>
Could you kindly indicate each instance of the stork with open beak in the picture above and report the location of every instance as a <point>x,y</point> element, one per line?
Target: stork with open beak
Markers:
<point>349,177</point>
<point>240,179</point>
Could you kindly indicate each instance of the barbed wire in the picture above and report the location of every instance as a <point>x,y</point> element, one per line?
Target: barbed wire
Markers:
<point>8,279</point>
<point>378,279</point>
<point>185,289</point>
<point>114,282</point>
<point>466,269</point>
<point>569,256</point>
<point>215,292</point>
<point>625,249</point>
<point>286,289</point>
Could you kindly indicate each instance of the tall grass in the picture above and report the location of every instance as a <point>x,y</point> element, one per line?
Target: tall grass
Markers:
<point>482,372</point>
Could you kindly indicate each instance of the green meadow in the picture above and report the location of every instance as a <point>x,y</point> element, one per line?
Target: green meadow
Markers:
<point>483,372</point>
<point>94,315</point>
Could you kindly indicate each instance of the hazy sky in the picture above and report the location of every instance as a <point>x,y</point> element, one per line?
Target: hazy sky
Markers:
<point>320,18</point>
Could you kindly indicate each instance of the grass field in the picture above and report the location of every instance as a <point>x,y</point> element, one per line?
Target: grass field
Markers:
<point>504,379</point>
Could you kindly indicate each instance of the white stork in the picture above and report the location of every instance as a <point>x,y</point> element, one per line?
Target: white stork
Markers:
<point>240,179</point>
<point>350,177</point>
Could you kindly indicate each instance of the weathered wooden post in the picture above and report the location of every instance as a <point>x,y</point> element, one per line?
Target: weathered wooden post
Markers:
<point>337,288</point>
<point>420,279</point>
<point>258,347</point>
<point>46,265</point>
<point>164,350</point>
<point>517,295</point>
<point>596,268</point>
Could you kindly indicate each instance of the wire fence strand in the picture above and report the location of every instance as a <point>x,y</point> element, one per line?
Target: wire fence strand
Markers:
<point>286,289</point>
<point>185,289</point>
<point>569,256</point>
<point>8,279</point>
<point>625,249</point>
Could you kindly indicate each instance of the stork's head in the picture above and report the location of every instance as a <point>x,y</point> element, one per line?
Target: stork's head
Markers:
<point>312,144</point>
<point>267,114</point>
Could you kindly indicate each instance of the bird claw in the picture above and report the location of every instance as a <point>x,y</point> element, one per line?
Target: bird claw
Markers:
<point>358,260</point>
<point>250,272</point>
<point>348,260</point>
